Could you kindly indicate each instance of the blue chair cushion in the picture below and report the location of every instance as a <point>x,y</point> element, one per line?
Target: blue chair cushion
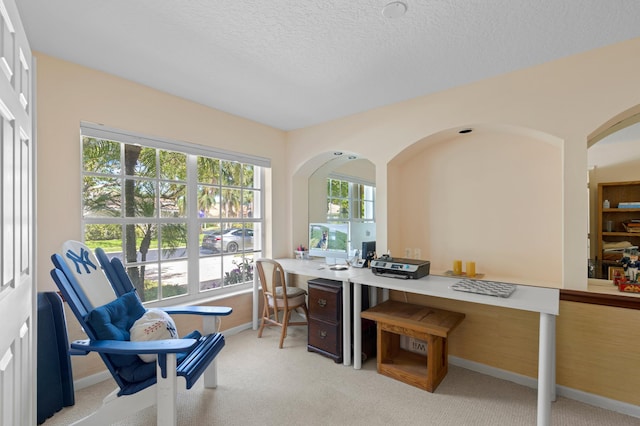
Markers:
<point>138,371</point>
<point>113,321</point>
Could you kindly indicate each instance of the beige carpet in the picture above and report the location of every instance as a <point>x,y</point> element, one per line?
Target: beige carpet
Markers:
<point>259,384</point>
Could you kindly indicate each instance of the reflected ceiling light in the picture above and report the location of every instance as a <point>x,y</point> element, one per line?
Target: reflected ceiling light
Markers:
<point>337,153</point>
<point>352,157</point>
<point>395,9</point>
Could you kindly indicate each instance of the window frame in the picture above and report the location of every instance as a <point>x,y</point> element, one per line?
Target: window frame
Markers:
<point>192,220</point>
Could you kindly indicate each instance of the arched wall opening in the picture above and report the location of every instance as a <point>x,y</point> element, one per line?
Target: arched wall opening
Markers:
<point>613,156</point>
<point>454,196</point>
<point>309,196</point>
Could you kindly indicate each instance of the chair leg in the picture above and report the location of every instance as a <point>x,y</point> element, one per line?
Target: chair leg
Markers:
<point>285,322</point>
<point>115,408</point>
<point>167,393</point>
<point>265,314</point>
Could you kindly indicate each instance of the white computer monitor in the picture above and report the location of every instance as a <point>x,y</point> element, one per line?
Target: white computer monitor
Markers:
<point>329,240</point>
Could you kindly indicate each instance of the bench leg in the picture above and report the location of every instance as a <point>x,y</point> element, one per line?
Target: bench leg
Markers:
<point>437,361</point>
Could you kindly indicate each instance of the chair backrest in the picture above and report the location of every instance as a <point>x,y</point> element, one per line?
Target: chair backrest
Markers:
<point>115,272</point>
<point>84,286</point>
<point>78,263</point>
<point>272,278</point>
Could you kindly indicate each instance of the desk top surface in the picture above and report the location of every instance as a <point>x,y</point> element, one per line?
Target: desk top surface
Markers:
<point>528,298</point>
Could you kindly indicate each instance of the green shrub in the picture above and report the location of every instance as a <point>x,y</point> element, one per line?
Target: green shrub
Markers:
<point>243,272</point>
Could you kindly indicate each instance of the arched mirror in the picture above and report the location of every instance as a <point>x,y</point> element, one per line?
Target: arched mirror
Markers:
<point>614,184</point>
<point>343,190</point>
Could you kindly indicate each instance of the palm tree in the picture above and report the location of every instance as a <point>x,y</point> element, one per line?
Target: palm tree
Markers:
<point>104,184</point>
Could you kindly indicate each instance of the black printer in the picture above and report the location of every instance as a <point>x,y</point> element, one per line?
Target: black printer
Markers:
<point>388,266</point>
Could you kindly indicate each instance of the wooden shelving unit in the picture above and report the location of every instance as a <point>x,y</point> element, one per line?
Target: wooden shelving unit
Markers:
<point>616,193</point>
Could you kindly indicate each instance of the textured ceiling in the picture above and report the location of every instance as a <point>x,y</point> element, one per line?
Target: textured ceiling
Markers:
<point>294,63</point>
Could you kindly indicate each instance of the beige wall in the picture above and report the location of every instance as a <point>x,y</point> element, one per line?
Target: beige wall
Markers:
<point>68,94</point>
<point>490,196</point>
<point>563,101</point>
<point>557,104</point>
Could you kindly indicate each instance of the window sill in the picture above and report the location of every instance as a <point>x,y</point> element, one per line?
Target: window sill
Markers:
<point>203,299</point>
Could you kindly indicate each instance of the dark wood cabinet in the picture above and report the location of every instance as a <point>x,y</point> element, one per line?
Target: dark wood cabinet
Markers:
<point>325,318</point>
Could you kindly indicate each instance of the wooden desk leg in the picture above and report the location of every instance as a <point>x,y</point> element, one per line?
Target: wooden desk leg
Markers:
<point>357,326</point>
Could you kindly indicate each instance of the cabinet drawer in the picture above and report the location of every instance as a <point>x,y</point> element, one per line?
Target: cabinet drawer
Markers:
<point>325,336</point>
<point>325,303</point>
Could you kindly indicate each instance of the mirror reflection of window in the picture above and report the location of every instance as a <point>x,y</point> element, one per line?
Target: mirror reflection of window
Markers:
<point>347,200</point>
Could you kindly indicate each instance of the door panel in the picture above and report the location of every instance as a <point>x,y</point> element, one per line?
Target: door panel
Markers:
<point>17,292</point>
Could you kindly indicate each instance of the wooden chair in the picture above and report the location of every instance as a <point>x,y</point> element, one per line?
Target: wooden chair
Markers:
<point>278,297</point>
<point>106,304</point>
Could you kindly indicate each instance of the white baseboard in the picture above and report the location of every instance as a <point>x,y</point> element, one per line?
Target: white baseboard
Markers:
<point>94,379</point>
<point>237,329</point>
<point>577,395</point>
<point>599,401</point>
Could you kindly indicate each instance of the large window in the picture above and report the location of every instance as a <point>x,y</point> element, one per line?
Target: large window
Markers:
<point>185,220</point>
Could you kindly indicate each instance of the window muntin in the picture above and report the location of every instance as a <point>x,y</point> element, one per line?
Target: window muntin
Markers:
<point>153,207</point>
<point>350,201</point>
<point>230,217</point>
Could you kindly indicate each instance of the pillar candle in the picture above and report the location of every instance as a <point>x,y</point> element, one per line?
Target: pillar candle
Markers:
<point>471,269</point>
<point>457,267</point>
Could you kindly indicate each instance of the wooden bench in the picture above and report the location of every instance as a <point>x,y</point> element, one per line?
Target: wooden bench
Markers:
<point>420,322</point>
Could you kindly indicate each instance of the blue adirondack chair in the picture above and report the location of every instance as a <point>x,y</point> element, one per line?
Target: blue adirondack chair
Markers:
<point>103,300</point>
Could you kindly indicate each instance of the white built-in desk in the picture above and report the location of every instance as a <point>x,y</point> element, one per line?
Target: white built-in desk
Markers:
<point>545,301</point>
<point>319,269</point>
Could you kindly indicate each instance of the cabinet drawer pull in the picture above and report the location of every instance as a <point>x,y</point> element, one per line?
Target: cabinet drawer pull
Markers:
<point>322,302</point>
<point>323,334</point>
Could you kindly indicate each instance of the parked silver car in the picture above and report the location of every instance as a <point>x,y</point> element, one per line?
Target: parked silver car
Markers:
<point>230,240</point>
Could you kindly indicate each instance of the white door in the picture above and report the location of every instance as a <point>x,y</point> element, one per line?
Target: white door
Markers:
<point>17,293</point>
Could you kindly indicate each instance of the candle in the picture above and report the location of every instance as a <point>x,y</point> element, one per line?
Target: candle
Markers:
<point>471,269</point>
<point>457,267</point>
